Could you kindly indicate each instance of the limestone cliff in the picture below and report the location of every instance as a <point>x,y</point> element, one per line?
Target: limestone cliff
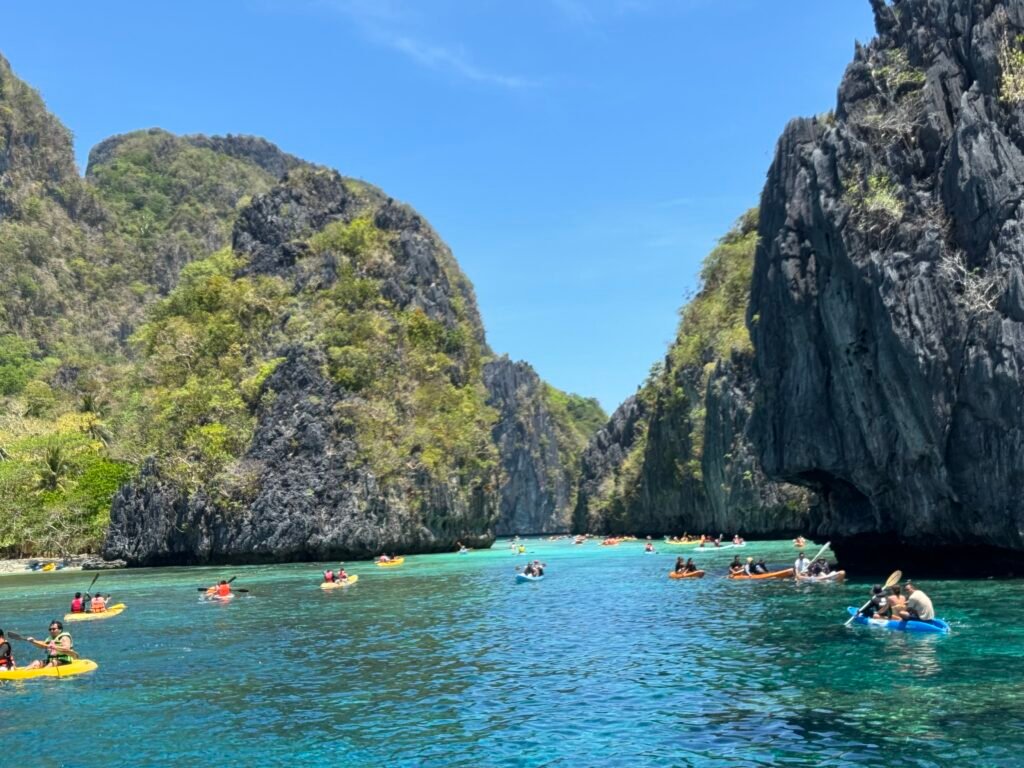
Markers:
<point>540,435</point>
<point>887,307</point>
<point>677,457</point>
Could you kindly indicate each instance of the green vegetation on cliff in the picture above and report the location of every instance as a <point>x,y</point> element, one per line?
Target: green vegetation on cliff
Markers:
<point>660,482</point>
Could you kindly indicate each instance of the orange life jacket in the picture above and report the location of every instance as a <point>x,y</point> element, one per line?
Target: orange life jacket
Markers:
<point>98,604</point>
<point>223,590</point>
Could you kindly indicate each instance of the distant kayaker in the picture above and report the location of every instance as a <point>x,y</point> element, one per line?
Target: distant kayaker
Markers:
<point>221,590</point>
<point>6,656</point>
<point>383,558</point>
<point>680,565</point>
<point>59,641</point>
<point>918,606</point>
<point>689,567</point>
<point>799,541</point>
<point>78,604</point>
<point>329,576</point>
<point>737,540</point>
<point>648,547</point>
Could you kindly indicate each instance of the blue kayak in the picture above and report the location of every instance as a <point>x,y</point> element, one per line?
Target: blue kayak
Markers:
<point>935,625</point>
<point>521,577</point>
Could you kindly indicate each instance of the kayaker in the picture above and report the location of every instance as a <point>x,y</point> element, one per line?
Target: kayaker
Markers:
<point>98,604</point>
<point>689,567</point>
<point>6,656</point>
<point>341,575</point>
<point>221,590</point>
<point>329,576</point>
<point>760,566</point>
<point>802,564</point>
<point>78,605</point>
<point>735,566</point>
<point>918,606</point>
<point>538,567</point>
<point>59,641</point>
<point>896,601</point>
<point>680,565</point>
<point>749,567</point>
<point>648,547</point>
<point>799,541</point>
<point>384,558</point>
<point>877,605</point>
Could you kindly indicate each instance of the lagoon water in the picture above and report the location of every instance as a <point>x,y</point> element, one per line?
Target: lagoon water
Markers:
<point>445,661</point>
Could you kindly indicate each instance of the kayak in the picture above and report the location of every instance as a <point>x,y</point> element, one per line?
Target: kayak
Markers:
<point>760,576</point>
<point>936,626</point>
<point>338,584</point>
<point>112,611</point>
<point>391,563</point>
<point>689,575</point>
<point>76,667</point>
<point>682,543</point>
<point>49,567</point>
<point>834,576</point>
<point>522,577</point>
<point>215,598</point>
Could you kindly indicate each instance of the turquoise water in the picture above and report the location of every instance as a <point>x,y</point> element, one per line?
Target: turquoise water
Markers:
<point>445,661</point>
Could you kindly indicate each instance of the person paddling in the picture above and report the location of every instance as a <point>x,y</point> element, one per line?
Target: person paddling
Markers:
<point>802,564</point>
<point>329,576</point>
<point>6,655</point>
<point>78,604</point>
<point>918,606</point>
<point>221,590</point>
<point>56,647</point>
<point>680,565</point>
<point>735,566</point>
<point>760,566</point>
<point>689,567</point>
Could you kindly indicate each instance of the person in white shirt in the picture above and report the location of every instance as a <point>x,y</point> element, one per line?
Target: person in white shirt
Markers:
<point>801,564</point>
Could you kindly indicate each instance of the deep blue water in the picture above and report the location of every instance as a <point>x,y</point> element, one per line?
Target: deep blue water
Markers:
<point>445,661</point>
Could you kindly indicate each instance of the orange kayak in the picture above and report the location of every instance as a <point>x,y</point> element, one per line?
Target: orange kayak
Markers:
<point>759,576</point>
<point>690,575</point>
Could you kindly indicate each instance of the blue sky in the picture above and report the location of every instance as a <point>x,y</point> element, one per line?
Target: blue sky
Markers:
<point>581,157</point>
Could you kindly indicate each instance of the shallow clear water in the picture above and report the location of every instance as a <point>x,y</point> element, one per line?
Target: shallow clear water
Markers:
<point>446,661</point>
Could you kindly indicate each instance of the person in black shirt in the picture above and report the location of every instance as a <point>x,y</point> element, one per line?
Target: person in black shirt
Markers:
<point>6,657</point>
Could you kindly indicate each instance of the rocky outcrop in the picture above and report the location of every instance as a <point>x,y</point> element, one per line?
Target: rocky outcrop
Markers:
<point>678,456</point>
<point>886,301</point>
<point>538,483</point>
<point>301,492</point>
<point>369,431</point>
<point>600,463</point>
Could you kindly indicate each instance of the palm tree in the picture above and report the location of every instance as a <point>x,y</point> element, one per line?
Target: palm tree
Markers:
<point>55,468</point>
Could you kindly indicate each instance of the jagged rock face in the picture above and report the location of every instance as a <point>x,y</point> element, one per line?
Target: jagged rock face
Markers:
<point>600,462</point>
<point>886,302</point>
<point>300,494</point>
<point>536,490</point>
<point>739,497</point>
<point>36,154</point>
<point>337,464</point>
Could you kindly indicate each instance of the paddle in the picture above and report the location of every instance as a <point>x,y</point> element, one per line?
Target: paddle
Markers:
<point>896,576</point>
<point>203,589</point>
<point>41,644</point>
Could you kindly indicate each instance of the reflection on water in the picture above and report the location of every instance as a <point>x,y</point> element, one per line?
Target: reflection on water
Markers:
<point>447,661</point>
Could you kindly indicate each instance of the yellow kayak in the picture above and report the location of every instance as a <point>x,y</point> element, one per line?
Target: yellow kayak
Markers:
<point>76,667</point>
<point>336,584</point>
<point>112,611</point>
<point>391,563</point>
<point>49,567</point>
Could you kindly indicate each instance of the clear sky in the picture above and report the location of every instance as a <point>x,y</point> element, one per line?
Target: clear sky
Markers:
<point>581,157</point>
